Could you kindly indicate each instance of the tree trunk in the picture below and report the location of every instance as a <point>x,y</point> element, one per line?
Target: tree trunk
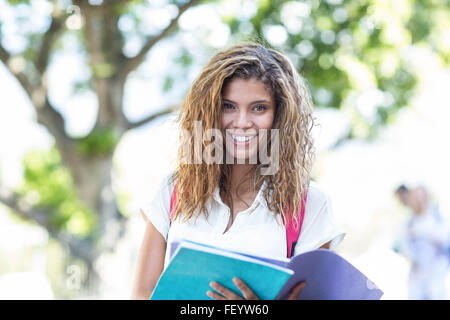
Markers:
<point>91,170</point>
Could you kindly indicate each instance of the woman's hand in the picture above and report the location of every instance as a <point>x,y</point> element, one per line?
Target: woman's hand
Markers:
<point>247,293</point>
<point>296,290</point>
<point>227,294</point>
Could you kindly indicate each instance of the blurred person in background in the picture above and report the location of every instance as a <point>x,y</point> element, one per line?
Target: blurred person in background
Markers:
<point>402,194</point>
<point>424,240</point>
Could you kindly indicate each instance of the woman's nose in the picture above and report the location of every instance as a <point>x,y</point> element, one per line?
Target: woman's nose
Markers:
<point>242,120</point>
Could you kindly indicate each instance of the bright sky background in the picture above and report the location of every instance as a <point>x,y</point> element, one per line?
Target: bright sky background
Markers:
<point>359,176</point>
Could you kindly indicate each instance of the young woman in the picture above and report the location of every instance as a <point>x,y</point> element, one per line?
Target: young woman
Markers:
<point>255,100</point>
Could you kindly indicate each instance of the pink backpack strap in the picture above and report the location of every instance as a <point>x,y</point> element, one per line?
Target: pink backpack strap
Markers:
<point>293,229</point>
<point>172,202</point>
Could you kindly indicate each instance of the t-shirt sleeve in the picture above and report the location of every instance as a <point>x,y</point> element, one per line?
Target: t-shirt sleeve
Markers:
<point>319,224</point>
<point>158,209</point>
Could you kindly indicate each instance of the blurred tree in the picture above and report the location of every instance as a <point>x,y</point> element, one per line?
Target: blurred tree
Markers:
<point>68,189</point>
<point>354,54</point>
<point>351,52</point>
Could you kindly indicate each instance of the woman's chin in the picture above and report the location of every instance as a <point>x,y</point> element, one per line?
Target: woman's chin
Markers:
<point>247,154</point>
<point>244,159</point>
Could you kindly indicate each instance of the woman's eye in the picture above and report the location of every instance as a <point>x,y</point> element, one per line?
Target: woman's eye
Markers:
<point>227,106</point>
<point>260,108</point>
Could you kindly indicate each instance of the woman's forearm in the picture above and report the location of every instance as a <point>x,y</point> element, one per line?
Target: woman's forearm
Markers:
<point>142,293</point>
<point>150,263</point>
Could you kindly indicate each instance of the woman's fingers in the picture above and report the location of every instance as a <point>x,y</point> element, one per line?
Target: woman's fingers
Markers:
<point>246,291</point>
<point>227,294</point>
<point>214,295</point>
<point>296,290</point>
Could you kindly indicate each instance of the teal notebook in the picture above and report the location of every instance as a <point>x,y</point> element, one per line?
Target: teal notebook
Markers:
<point>193,267</point>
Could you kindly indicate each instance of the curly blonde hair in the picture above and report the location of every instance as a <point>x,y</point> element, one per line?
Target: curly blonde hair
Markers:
<point>196,182</point>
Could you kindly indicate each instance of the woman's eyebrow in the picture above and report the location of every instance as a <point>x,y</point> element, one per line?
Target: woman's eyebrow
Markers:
<point>253,102</point>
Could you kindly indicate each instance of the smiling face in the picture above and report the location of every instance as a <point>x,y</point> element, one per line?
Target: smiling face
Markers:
<point>247,107</point>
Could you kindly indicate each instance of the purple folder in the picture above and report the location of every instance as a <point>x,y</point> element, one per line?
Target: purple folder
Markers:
<point>328,276</point>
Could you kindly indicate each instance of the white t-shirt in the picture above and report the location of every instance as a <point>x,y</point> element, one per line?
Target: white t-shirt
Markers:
<point>255,230</point>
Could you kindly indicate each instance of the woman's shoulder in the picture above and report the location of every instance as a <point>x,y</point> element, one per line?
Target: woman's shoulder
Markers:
<point>317,194</point>
<point>319,225</point>
<point>165,185</point>
<point>319,207</point>
<point>157,210</point>
<point>168,181</point>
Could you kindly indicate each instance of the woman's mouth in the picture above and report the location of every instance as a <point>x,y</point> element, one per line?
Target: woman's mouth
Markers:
<point>242,139</point>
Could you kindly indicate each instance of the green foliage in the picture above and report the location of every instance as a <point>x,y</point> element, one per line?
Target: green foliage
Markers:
<point>48,186</point>
<point>338,46</point>
<point>184,58</point>
<point>345,49</point>
<point>16,2</point>
<point>103,70</point>
<point>83,86</point>
<point>99,142</point>
<point>123,199</point>
<point>168,83</point>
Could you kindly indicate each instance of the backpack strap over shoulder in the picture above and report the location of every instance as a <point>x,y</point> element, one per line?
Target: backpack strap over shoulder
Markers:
<point>292,228</point>
<point>172,202</point>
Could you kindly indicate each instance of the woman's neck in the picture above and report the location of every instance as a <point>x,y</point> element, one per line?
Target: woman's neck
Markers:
<point>239,172</point>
